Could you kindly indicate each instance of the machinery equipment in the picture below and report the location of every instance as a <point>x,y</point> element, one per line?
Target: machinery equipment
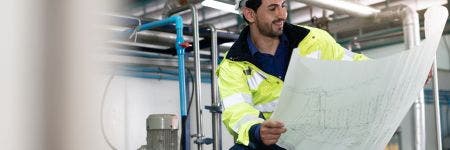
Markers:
<point>162,132</point>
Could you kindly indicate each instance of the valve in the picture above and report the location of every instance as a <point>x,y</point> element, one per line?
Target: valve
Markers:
<point>185,44</point>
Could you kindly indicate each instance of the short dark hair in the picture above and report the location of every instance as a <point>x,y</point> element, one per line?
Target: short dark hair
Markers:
<point>252,4</point>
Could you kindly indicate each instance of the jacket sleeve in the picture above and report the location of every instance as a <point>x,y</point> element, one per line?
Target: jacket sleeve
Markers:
<point>320,44</point>
<point>238,115</point>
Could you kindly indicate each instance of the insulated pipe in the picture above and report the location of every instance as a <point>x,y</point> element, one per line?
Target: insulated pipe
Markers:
<point>216,118</point>
<point>346,7</point>
<point>198,92</point>
<point>180,52</point>
<point>411,31</point>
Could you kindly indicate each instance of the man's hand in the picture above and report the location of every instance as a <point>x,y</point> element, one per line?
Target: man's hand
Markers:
<point>271,131</point>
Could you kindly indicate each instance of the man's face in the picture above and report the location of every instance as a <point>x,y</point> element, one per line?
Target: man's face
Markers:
<point>270,17</point>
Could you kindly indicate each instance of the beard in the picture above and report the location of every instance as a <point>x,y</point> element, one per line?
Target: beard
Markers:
<point>268,30</point>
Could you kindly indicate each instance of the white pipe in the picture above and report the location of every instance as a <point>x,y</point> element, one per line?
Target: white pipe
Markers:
<point>411,31</point>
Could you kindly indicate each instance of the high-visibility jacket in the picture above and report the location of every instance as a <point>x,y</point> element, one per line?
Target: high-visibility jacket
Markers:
<point>246,91</point>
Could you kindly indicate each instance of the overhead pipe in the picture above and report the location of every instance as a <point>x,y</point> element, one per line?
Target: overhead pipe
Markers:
<point>207,13</point>
<point>199,141</point>
<point>180,52</point>
<point>411,32</point>
<point>353,9</point>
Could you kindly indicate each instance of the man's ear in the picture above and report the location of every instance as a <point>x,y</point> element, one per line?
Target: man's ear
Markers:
<point>249,14</point>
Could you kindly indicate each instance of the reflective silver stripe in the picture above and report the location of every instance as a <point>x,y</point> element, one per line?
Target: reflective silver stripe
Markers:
<point>315,55</point>
<point>244,120</point>
<point>236,98</point>
<point>255,80</point>
<point>348,55</point>
<point>268,107</point>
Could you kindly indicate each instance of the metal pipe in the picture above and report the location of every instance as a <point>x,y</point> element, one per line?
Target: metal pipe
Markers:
<point>216,118</point>
<point>419,122</point>
<point>198,81</point>
<point>435,89</point>
<point>411,31</point>
<point>198,92</point>
<point>147,37</point>
<point>346,7</point>
<point>180,52</point>
<point>436,105</point>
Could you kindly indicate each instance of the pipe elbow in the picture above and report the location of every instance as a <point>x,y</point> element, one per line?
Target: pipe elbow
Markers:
<point>178,21</point>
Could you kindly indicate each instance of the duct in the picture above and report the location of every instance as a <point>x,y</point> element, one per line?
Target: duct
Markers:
<point>342,6</point>
<point>207,13</point>
<point>296,5</point>
<point>147,36</point>
<point>150,8</point>
<point>299,17</point>
<point>126,43</point>
<point>224,21</point>
<point>356,23</point>
<point>114,60</point>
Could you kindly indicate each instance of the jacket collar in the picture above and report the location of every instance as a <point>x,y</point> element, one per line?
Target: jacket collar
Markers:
<point>240,51</point>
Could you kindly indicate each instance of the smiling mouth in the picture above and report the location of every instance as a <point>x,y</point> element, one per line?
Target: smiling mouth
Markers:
<point>279,22</point>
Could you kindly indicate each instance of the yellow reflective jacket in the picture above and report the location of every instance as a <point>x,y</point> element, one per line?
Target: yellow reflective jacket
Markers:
<point>246,90</point>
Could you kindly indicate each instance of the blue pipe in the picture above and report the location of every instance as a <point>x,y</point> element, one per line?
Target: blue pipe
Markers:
<point>180,52</point>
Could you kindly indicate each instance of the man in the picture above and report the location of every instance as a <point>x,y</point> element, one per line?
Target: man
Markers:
<point>252,73</point>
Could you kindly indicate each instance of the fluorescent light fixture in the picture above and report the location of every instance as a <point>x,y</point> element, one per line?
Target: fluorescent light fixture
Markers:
<point>220,6</point>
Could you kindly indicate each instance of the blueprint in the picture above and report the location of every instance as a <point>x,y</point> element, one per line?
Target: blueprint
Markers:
<point>342,105</point>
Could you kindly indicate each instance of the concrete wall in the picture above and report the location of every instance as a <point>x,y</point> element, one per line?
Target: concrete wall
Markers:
<point>129,101</point>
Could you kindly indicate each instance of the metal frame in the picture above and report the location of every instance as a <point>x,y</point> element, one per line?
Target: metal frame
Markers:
<point>215,102</point>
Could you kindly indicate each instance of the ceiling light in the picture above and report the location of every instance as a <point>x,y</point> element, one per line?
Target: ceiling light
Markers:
<point>220,6</point>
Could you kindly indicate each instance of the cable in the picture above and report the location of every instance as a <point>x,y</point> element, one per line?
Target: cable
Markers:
<point>192,91</point>
<point>105,91</point>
